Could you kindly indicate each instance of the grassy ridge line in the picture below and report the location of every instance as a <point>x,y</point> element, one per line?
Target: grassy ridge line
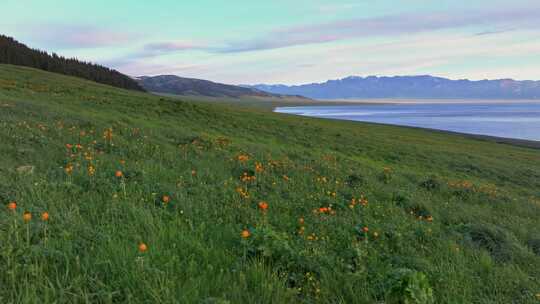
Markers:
<point>462,212</point>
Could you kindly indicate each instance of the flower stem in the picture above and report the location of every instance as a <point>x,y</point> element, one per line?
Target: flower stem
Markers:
<point>28,234</point>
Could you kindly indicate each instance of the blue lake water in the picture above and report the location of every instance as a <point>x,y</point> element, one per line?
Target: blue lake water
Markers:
<point>512,120</point>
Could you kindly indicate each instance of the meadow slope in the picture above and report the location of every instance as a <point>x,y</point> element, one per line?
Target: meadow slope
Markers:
<point>150,199</point>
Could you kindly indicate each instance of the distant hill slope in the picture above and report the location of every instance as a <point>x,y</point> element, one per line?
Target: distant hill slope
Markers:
<point>176,85</point>
<point>410,87</point>
<point>16,53</point>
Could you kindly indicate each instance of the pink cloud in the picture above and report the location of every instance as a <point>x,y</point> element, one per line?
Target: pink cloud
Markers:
<point>69,36</point>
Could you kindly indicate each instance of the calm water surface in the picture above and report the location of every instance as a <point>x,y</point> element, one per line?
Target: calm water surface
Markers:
<point>512,120</point>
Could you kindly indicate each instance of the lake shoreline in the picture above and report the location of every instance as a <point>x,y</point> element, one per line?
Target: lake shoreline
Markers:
<point>528,143</point>
<point>404,101</point>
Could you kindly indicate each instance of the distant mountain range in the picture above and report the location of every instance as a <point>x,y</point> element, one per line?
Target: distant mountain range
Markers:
<point>410,87</point>
<point>170,84</point>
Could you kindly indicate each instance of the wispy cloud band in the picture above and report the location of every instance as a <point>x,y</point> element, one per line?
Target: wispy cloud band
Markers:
<point>391,25</point>
<point>79,36</point>
<point>403,24</point>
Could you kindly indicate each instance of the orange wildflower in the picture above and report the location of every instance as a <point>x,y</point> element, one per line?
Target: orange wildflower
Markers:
<point>327,210</point>
<point>259,167</point>
<point>243,193</point>
<point>88,156</point>
<point>365,229</point>
<point>27,216</point>
<point>142,247</point>
<point>45,216</point>
<point>68,169</point>
<point>69,146</point>
<point>245,234</point>
<point>242,158</point>
<point>246,177</point>
<point>363,201</point>
<point>166,199</point>
<point>12,206</point>
<point>353,203</point>
<point>312,237</point>
<point>118,173</point>
<point>263,206</point>
<point>108,134</point>
<point>91,170</point>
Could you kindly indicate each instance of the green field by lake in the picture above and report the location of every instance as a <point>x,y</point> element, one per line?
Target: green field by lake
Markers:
<point>154,199</point>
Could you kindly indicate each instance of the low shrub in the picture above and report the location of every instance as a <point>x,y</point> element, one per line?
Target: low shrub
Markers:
<point>534,245</point>
<point>432,183</point>
<point>409,287</point>
<point>499,243</point>
<point>355,180</point>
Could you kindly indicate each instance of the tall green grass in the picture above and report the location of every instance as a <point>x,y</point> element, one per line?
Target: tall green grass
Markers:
<point>357,213</point>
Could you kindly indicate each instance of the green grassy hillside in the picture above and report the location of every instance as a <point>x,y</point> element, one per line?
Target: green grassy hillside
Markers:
<point>237,205</point>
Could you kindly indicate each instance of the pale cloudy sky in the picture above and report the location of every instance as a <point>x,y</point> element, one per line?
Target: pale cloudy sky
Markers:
<point>284,41</point>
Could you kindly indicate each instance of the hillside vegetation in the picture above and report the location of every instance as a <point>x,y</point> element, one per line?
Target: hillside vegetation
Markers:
<point>170,84</point>
<point>16,53</point>
<point>113,196</point>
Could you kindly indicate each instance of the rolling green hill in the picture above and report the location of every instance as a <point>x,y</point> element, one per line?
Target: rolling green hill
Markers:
<point>157,200</point>
<point>174,85</point>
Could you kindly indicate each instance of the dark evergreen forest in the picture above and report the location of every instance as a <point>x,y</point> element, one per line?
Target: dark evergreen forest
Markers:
<point>16,53</point>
